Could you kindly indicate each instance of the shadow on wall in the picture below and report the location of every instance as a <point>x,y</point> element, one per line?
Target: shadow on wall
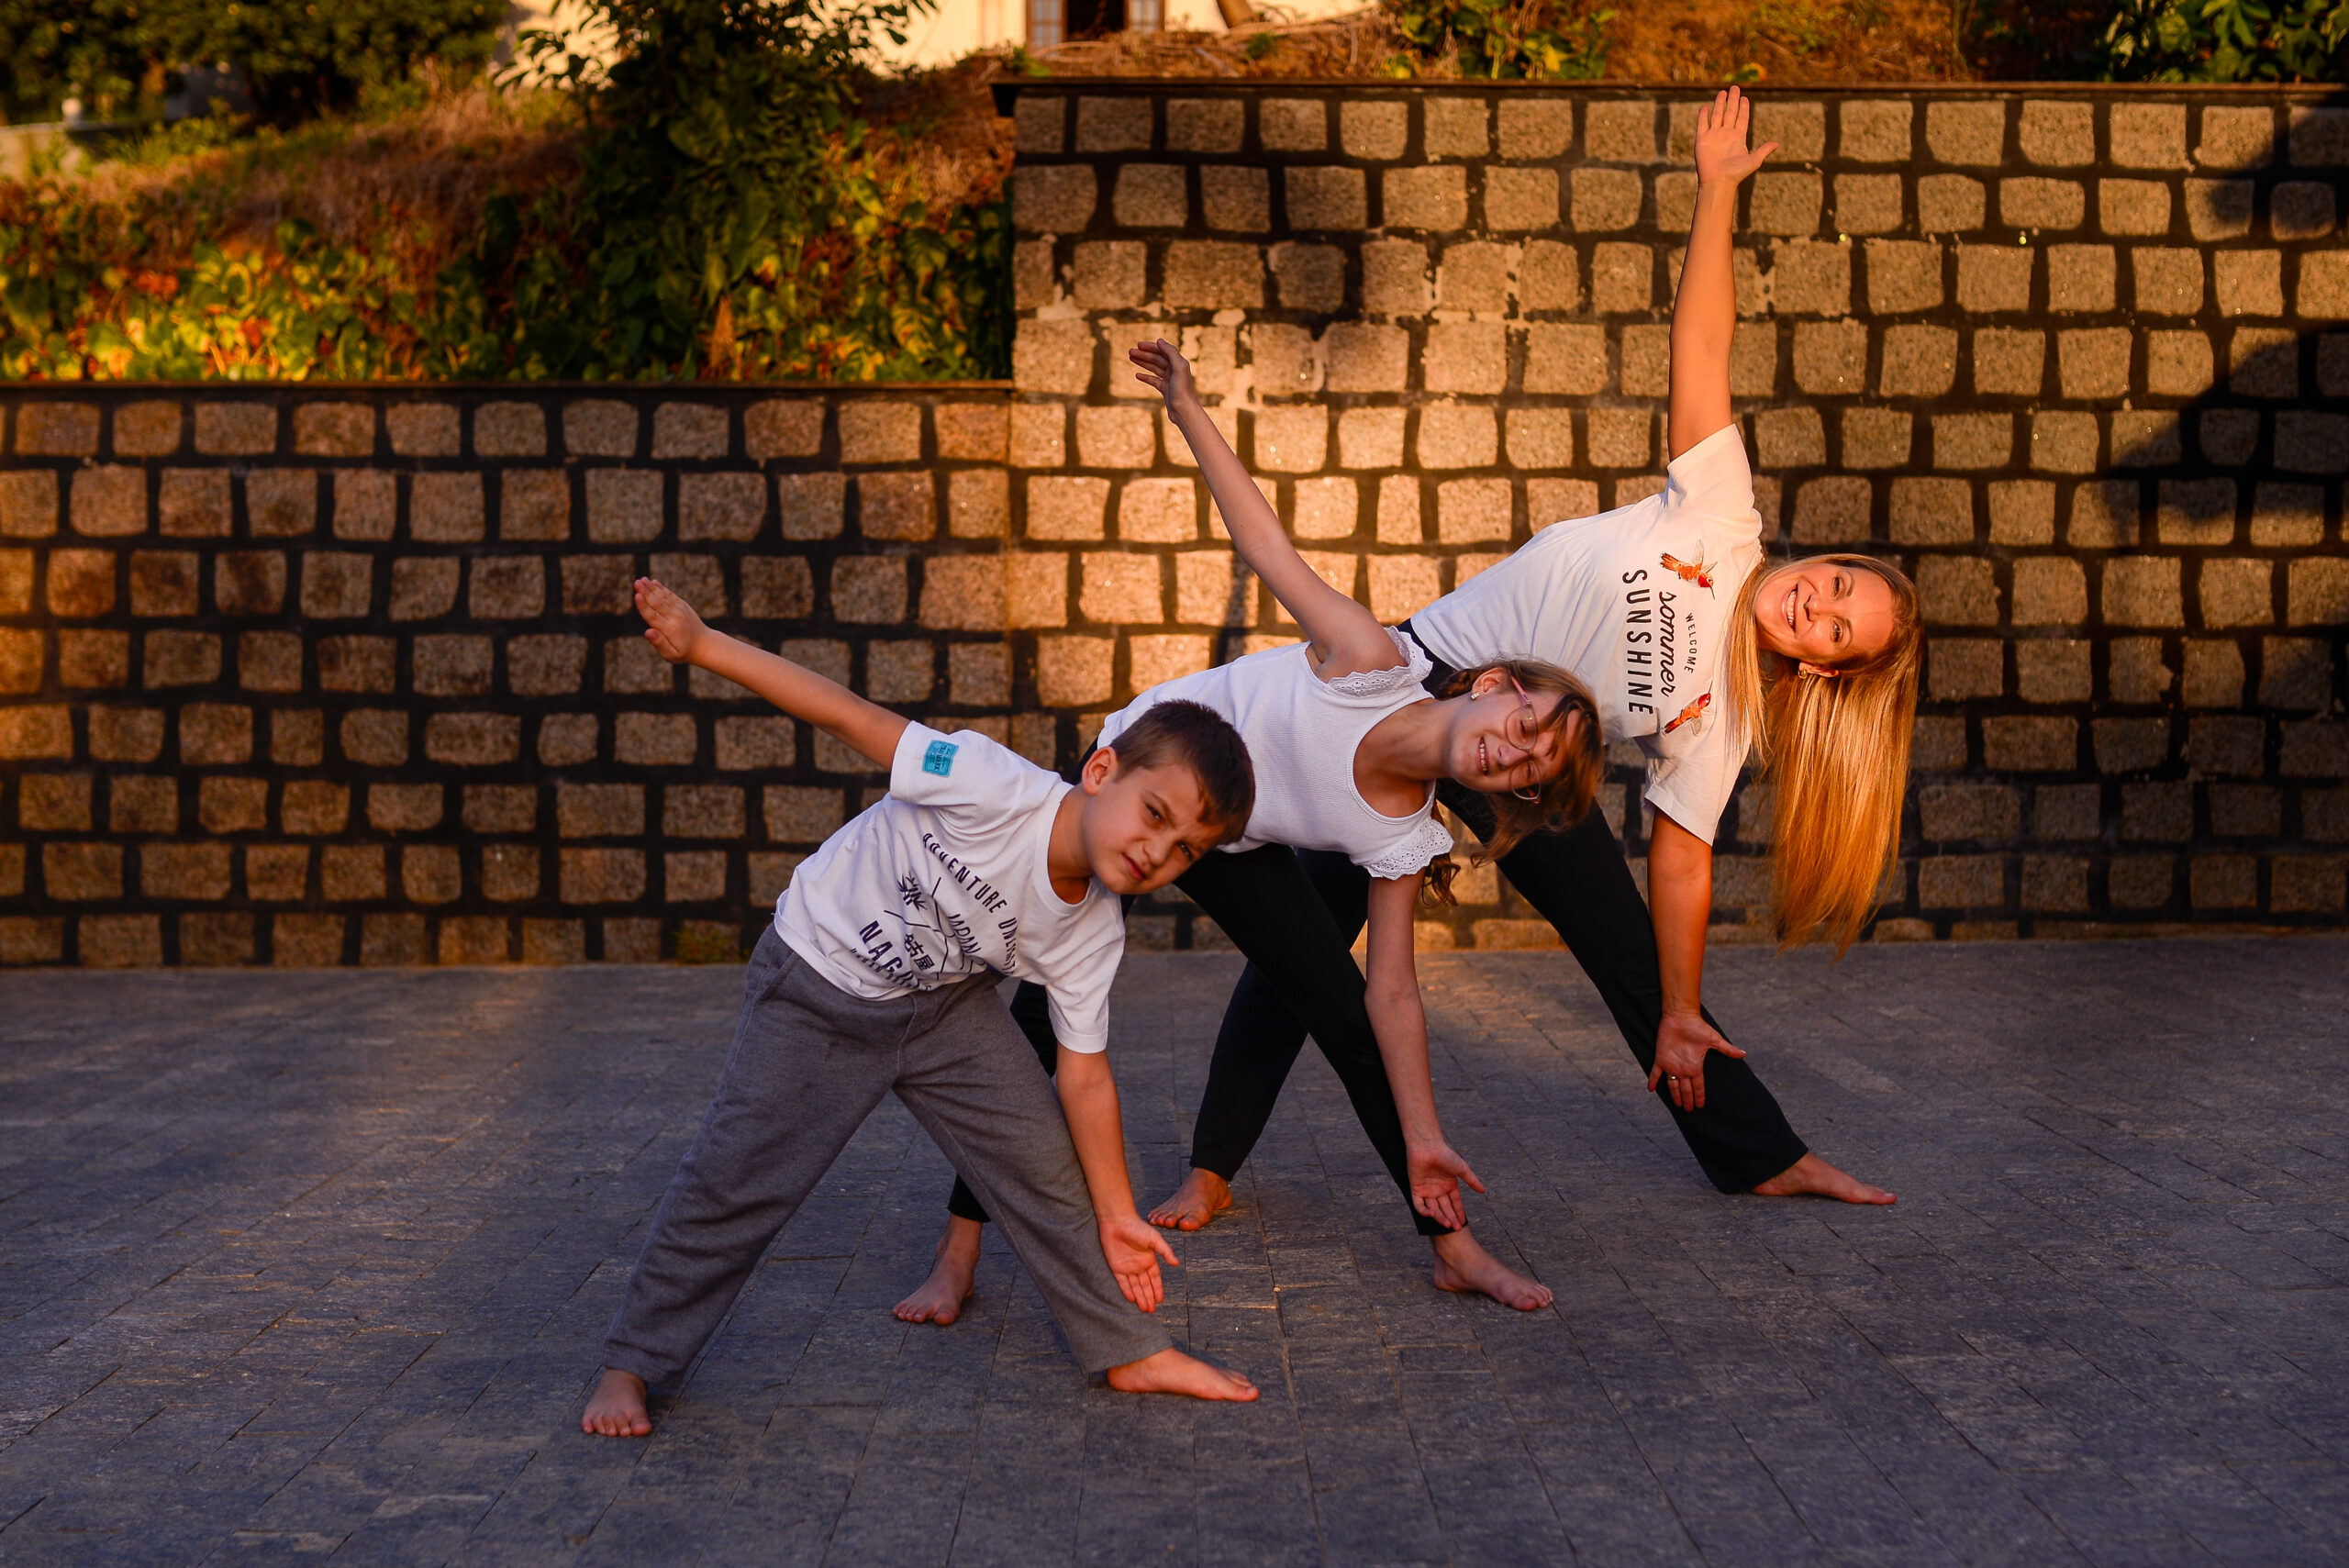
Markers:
<point>2222,523</point>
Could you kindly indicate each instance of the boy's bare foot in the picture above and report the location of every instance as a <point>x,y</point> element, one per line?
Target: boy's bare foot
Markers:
<point>1814,1177</point>
<point>616,1407</point>
<point>1202,1197</point>
<point>1462,1264</point>
<point>1172,1371</point>
<point>939,1299</point>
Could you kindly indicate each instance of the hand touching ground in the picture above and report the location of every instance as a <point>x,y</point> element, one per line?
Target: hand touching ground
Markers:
<point>1722,155</point>
<point>670,624</point>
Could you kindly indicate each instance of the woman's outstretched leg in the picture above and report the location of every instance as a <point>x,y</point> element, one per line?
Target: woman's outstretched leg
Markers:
<point>1578,881</point>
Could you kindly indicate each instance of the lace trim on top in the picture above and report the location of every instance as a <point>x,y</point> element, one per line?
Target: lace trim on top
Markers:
<point>1412,671</point>
<point>1412,855</point>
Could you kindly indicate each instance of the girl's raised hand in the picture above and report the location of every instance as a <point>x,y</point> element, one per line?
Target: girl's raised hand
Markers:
<point>1722,152</point>
<point>1162,368</point>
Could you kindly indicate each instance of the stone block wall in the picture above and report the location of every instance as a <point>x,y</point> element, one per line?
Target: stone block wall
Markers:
<point>315,675</point>
<point>2076,360</point>
<point>312,676</point>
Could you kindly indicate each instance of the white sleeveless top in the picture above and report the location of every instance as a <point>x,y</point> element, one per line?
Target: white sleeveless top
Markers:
<point>1302,733</point>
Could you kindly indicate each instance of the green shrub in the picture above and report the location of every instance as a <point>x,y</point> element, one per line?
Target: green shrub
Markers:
<point>299,57</point>
<point>1505,39</point>
<point>2227,40</point>
<point>732,212</point>
<point>735,216</point>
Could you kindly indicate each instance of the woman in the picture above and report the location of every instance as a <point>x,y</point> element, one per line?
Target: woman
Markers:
<point>1348,746</point>
<point>1696,652</point>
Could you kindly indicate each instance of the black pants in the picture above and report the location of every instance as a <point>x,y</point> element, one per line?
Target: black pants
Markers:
<point>1578,882</point>
<point>1295,929</point>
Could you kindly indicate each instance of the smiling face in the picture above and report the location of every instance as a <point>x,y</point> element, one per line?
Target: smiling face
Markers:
<point>1143,826</point>
<point>1825,614</point>
<point>1498,746</point>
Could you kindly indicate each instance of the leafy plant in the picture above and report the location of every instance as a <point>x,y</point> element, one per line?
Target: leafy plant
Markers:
<point>1507,40</point>
<point>736,217</point>
<point>736,212</point>
<point>2226,40</point>
<point>297,57</point>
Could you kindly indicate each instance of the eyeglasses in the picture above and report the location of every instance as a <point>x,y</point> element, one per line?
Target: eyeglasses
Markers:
<point>1523,728</point>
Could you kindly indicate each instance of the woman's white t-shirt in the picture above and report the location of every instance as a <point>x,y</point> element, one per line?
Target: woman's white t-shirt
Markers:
<point>1302,733</point>
<point>947,876</point>
<point>1637,602</point>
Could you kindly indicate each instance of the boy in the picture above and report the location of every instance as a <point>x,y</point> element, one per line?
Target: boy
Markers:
<point>880,973</point>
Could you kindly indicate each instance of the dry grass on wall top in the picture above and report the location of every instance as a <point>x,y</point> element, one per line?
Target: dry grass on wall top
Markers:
<point>1787,42</point>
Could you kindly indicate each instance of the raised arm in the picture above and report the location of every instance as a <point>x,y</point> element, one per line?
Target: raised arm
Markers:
<point>678,635</point>
<point>1346,638</point>
<point>1704,313</point>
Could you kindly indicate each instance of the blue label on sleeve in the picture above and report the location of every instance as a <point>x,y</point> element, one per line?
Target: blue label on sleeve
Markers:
<point>939,759</point>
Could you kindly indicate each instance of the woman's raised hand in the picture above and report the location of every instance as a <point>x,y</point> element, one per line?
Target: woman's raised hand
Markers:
<point>1722,152</point>
<point>1163,370</point>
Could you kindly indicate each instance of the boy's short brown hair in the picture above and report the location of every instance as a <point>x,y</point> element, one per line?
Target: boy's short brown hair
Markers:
<point>1195,737</point>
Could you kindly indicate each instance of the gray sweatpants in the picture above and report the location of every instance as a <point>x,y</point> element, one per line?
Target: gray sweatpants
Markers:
<point>809,1061</point>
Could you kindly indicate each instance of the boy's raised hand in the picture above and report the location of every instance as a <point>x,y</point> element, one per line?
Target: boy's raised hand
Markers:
<point>1165,371</point>
<point>1134,1247</point>
<point>670,624</point>
<point>1722,152</point>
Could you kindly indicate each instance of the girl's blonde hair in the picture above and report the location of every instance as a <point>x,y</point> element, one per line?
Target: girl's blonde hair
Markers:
<point>1835,753</point>
<point>1565,800</point>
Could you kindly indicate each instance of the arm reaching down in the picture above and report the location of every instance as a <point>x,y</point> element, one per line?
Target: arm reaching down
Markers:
<point>1704,312</point>
<point>1346,638</point>
<point>678,635</point>
<point>1680,897</point>
<point>1131,1243</point>
<point>1400,1022</point>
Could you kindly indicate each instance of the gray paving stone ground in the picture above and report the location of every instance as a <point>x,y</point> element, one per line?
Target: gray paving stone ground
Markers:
<point>312,1266</point>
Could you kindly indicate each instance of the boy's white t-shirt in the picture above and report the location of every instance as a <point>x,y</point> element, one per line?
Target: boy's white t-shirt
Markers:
<point>947,876</point>
<point>1636,602</point>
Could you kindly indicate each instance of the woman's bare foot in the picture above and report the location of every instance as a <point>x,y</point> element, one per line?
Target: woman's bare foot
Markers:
<point>1172,1371</point>
<point>939,1299</point>
<point>1811,1177</point>
<point>616,1407</point>
<point>1202,1197</point>
<point>1462,1264</point>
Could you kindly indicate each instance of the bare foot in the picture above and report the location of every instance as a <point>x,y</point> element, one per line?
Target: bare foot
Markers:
<point>1202,1197</point>
<point>939,1299</point>
<point>1811,1177</point>
<point>616,1407</point>
<point>1172,1371</point>
<point>1462,1264</point>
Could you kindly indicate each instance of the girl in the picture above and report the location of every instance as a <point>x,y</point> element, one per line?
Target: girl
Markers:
<point>1348,746</point>
<point>1698,652</point>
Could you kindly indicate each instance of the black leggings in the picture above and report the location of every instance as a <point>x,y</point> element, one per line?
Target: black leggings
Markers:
<point>1578,882</point>
<point>1295,925</point>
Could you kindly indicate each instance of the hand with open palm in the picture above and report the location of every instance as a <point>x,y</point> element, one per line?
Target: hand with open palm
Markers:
<point>1722,154</point>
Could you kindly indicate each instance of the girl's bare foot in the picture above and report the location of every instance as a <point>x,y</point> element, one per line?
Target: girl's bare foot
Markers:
<point>1462,1264</point>
<point>1172,1371</point>
<point>939,1299</point>
<point>1202,1197</point>
<point>616,1407</point>
<point>1814,1177</point>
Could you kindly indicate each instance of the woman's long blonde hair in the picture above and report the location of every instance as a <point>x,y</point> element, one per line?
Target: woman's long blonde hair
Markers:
<point>1835,753</point>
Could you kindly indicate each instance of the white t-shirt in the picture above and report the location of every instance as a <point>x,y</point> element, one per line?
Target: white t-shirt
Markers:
<point>947,876</point>
<point>1637,602</point>
<point>1302,733</point>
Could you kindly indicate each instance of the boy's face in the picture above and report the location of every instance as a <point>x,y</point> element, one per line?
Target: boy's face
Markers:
<point>1143,826</point>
